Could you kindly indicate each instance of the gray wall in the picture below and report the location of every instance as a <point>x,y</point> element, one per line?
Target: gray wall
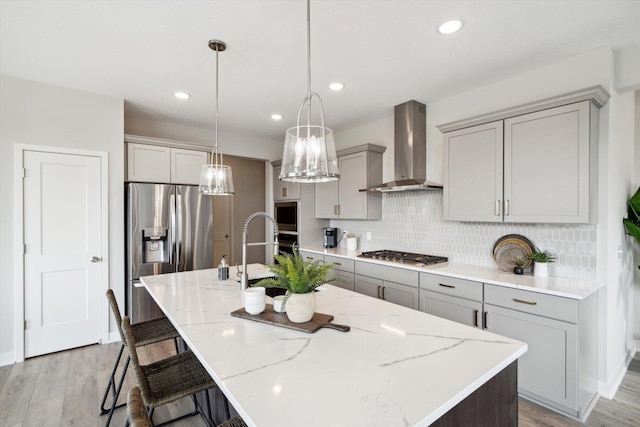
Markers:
<point>45,115</point>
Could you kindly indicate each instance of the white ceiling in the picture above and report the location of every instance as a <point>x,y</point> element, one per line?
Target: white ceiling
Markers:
<point>385,52</point>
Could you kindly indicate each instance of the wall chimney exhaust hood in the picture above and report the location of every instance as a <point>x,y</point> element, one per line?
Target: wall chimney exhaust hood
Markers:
<point>410,150</point>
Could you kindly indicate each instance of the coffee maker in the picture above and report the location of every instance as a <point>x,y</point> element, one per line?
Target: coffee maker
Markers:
<point>330,237</point>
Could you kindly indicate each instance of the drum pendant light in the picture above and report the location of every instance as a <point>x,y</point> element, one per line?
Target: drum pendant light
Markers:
<point>309,150</point>
<point>216,178</point>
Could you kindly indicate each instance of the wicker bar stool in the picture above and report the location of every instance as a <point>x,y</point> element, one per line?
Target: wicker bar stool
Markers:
<point>145,333</point>
<point>138,416</point>
<point>170,379</point>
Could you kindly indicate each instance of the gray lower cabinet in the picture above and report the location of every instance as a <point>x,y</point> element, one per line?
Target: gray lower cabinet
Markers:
<point>559,368</point>
<point>343,271</point>
<point>312,256</point>
<point>451,298</point>
<point>452,308</point>
<point>391,284</point>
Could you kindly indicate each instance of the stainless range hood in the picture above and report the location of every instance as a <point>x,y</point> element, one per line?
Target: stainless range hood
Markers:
<point>410,150</point>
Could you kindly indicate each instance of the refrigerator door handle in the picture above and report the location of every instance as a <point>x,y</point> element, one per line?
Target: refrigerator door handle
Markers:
<point>178,225</point>
<point>172,222</point>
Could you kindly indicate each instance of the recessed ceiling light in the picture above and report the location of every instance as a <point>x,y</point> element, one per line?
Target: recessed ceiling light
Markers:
<point>450,26</point>
<point>276,116</point>
<point>336,86</point>
<point>181,95</point>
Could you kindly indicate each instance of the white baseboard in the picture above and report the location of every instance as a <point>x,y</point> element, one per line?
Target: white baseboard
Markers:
<point>7,358</point>
<point>608,389</point>
<point>113,337</point>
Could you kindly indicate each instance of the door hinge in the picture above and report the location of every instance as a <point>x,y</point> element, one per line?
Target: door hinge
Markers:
<point>24,249</point>
<point>25,325</point>
<point>24,173</point>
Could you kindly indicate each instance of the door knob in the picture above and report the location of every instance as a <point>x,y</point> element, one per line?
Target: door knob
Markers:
<point>95,259</point>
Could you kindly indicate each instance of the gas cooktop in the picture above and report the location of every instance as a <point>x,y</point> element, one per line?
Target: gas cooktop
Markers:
<point>403,257</point>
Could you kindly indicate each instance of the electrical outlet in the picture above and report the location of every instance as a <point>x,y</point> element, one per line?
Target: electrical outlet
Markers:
<point>368,236</point>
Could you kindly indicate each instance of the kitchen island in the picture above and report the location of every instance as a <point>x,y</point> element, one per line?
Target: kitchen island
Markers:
<point>395,367</point>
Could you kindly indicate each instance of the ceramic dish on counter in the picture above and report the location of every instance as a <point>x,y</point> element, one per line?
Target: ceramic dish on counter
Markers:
<point>510,247</point>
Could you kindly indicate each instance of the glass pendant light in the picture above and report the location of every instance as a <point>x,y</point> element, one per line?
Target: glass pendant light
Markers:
<point>216,178</point>
<point>309,150</point>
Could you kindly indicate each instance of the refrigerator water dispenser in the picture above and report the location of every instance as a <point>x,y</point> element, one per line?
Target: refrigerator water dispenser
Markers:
<point>155,247</point>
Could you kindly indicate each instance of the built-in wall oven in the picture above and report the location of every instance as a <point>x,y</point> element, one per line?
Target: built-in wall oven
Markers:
<point>286,214</point>
<point>286,242</point>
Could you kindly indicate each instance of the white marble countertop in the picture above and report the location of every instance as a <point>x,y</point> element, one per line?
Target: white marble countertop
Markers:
<point>395,367</point>
<point>559,286</point>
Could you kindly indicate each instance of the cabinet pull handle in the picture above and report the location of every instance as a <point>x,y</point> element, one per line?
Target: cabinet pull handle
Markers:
<point>284,192</point>
<point>484,320</point>
<point>335,209</point>
<point>379,294</point>
<point>337,263</point>
<point>446,286</point>
<point>497,207</point>
<point>506,207</point>
<point>382,292</point>
<point>475,317</point>
<point>525,302</point>
<point>338,209</point>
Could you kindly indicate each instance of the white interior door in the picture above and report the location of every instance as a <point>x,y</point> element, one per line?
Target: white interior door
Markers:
<point>62,261</point>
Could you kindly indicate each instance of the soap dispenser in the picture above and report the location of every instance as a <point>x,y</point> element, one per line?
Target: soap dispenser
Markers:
<point>223,269</point>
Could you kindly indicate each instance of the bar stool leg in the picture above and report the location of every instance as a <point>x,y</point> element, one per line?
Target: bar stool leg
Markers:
<point>112,385</point>
<point>113,407</point>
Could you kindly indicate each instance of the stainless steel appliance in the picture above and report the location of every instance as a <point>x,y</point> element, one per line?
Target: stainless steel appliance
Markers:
<point>330,237</point>
<point>410,150</point>
<point>287,241</point>
<point>404,257</point>
<point>169,228</point>
<point>286,215</point>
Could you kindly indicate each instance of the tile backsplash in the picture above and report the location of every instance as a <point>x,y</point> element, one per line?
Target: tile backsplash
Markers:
<point>412,221</point>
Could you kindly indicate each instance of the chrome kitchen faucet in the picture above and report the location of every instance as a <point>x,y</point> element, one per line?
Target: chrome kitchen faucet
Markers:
<point>244,277</point>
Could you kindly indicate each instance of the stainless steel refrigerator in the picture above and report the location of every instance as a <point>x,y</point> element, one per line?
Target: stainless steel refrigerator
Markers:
<point>169,228</point>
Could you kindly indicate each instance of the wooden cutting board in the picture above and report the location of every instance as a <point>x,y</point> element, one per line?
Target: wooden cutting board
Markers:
<point>269,316</point>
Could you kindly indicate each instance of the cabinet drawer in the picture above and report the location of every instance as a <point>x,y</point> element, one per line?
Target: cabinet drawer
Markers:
<point>391,274</point>
<point>343,264</point>
<point>560,308</point>
<point>345,280</point>
<point>451,286</point>
<point>305,255</point>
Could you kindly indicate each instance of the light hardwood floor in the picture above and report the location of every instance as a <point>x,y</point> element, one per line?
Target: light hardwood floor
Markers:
<point>64,389</point>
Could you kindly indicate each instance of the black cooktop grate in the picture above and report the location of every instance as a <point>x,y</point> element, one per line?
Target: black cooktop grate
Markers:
<point>402,257</point>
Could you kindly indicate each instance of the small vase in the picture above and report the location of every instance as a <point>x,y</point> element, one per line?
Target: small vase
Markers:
<point>540,269</point>
<point>518,270</point>
<point>300,307</point>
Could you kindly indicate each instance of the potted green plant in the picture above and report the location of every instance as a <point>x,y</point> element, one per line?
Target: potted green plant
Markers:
<point>632,223</point>
<point>541,259</point>
<point>300,278</point>
<point>519,265</point>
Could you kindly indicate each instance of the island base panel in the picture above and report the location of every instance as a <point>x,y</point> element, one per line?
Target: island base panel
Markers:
<point>494,404</point>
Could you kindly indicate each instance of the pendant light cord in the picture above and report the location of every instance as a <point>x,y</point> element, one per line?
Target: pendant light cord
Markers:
<point>216,150</point>
<point>309,67</point>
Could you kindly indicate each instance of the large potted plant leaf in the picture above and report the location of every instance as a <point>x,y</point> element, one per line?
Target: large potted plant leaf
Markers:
<point>300,278</point>
<point>632,222</point>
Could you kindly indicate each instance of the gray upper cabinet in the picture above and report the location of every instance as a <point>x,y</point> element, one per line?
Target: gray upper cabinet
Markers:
<point>547,165</point>
<point>150,163</point>
<point>473,173</point>
<point>283,190</point>
<point>535,167</point>
<point>360,167</point>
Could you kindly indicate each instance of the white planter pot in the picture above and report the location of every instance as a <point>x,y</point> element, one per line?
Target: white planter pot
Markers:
<point>300,307</point>
<point>541,269</point>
